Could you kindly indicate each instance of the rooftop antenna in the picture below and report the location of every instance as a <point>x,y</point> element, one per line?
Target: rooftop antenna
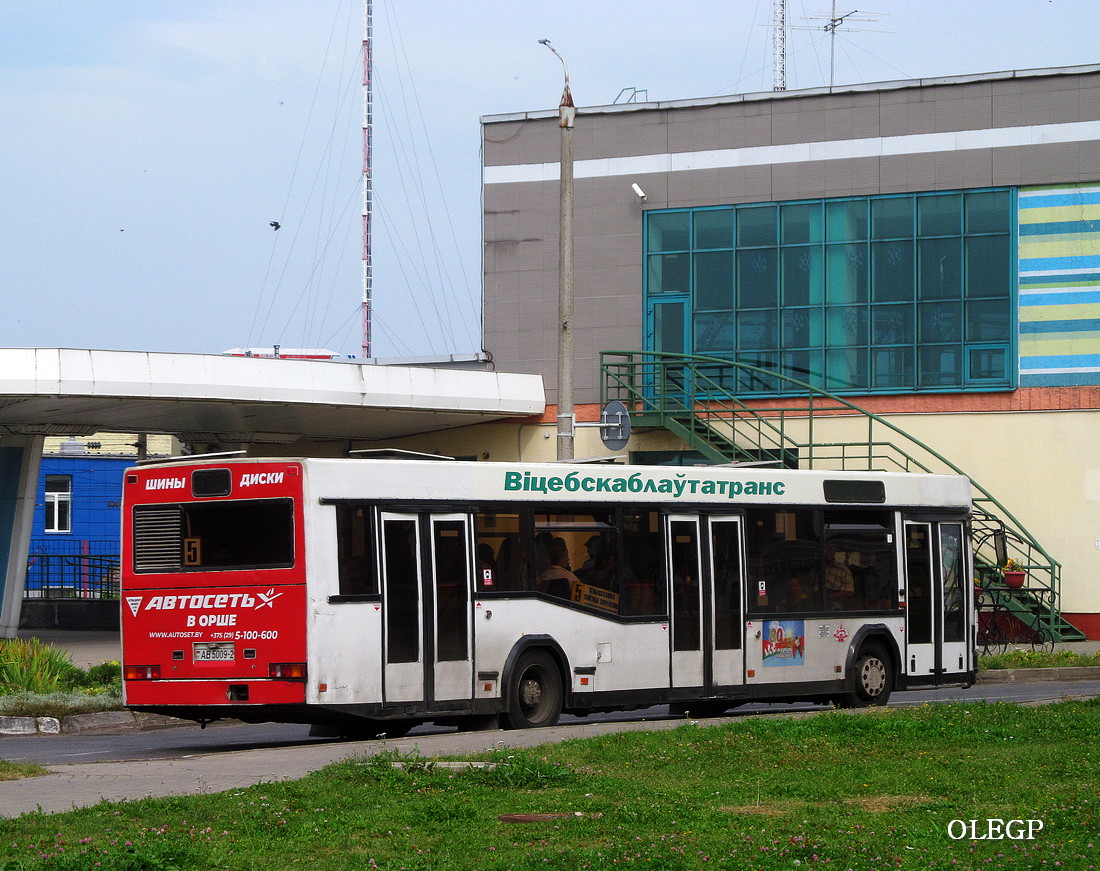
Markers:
<point>834,21</point>
<point>368,191</point>
<point>779,45</point>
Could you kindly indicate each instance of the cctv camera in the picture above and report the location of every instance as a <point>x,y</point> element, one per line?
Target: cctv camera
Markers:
<point>638,192</point>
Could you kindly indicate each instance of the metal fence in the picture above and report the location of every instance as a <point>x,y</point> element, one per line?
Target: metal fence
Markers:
<point>71,576</point>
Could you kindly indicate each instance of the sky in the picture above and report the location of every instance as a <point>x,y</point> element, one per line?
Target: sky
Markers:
<point>147,145</point>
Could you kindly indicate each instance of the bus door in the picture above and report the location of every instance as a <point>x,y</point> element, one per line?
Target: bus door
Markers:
<point>958,590</point>
<point>727,626</point>
<point>704,563</point>
<point>425,598</point>
<point>682,545</point>
<point>936,600</point>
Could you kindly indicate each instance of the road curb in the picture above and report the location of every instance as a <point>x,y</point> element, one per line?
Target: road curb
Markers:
<point>102,722</point>
<point>1021,675</point>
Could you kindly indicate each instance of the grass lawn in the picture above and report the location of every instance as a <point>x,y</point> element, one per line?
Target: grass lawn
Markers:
<point>15,770</point>
<point>869,790</point>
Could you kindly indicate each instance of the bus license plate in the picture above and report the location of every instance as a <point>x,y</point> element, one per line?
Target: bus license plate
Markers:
<point>214,651</point>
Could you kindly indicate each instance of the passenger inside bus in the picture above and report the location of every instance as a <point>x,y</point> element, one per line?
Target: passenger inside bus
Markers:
<point>796,596</point>
<point>557,579</point>
<point>605,574</point>
<point>839,581</point>
<point>593,546</point>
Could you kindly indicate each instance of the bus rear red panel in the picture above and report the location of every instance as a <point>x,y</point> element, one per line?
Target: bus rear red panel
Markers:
<point>172,695</point>
<point>213,585</point>
<point>219,634</point>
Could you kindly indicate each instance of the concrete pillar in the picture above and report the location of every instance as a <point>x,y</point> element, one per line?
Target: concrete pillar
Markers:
<point>20,462</point>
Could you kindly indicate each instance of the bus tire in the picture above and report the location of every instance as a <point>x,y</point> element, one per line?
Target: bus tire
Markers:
<point>534,693</point>
<point>871,679</point>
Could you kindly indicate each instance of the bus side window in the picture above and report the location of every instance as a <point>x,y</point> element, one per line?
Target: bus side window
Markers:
<point>783,551</point>
<point>501,566</point>
<point>643,565</point>
<point>860,565</point>
<point>355,550</point>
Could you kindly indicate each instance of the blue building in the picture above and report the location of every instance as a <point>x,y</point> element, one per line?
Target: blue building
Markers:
<point>74,546</point>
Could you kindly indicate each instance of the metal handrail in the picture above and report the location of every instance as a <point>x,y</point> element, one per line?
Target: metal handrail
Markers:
<point>72,576</point>
<point>683,389</point>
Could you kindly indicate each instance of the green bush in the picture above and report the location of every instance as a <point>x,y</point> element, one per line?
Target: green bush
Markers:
<point>106,677</point>
<point>40,680</point>
<point>33,667</point>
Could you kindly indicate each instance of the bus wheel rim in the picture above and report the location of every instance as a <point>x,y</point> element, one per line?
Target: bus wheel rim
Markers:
<point>873,676</point>
<point>530,693</point>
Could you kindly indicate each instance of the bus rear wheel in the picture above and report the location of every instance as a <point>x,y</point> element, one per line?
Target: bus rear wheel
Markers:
<point>534,693</point>
<point>871,680</point>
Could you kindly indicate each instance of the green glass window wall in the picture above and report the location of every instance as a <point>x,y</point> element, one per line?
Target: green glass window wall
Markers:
<point>887,294</point>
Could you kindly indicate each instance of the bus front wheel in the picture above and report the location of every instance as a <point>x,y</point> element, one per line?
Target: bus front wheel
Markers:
<point>871,680</point>
<point>534,693</point>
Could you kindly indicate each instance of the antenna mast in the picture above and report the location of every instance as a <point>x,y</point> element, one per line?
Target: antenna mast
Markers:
<point>834,26</point>
<point>368,191</point>
<point>779,45</point>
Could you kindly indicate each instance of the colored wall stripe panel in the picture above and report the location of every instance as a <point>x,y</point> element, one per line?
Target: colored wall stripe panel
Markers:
<point>1059,285</point>
<point>1091,325</point>
<point>1082,297</point>
<point>1050,283</point>
<point>1090,261</point>
<point>1060,215</point>
<point>1061,361</point>
<point>1058,345</point>
<point>1069,246</point>
<point>1059,229</point>
<point>1030,201</point>
<point>1057,379</point>
<point>1040,189</point>
<point>1072,241</point>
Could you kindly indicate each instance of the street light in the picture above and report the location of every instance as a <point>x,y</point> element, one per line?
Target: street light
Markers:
<point>567,112</point>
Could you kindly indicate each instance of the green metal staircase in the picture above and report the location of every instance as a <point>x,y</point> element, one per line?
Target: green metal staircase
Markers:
<point>696,399</point>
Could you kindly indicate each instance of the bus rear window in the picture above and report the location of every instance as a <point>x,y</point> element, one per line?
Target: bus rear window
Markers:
<point>213,536</point>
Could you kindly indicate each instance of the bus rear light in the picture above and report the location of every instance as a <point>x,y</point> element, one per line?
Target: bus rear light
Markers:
<point>287,670</point>
<point>141,672</point>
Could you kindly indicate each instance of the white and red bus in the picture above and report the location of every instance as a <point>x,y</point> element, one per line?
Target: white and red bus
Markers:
<point>366,595</point>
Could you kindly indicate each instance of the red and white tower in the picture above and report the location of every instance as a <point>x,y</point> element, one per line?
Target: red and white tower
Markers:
<point>368,192</point>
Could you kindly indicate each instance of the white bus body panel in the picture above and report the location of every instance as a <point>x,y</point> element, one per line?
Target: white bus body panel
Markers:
<point>343,640</point>
<point>625,656</point>
<point>800,650</point>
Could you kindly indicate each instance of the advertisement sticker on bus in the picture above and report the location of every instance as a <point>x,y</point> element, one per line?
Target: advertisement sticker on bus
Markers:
<point>784,642</point>
<point>234,614</point>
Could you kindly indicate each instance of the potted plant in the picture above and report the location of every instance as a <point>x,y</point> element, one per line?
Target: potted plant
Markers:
<point>1014,574</point>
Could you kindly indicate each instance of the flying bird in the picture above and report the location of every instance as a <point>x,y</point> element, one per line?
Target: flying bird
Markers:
<point>274,225</point>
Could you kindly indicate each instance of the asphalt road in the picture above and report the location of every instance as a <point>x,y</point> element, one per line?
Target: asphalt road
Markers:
<point>187,742</point>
